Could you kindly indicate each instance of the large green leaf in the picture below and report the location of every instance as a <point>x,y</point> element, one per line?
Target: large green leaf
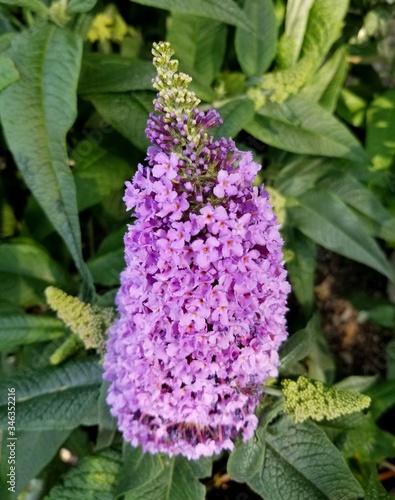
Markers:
<point>101,73</point>
<point>226,11</point>
<point>97,174</point>
<point>138,469</point>
<point>330,222</point>
<point>291,42</point>
<point>301,462</point>
<point>78,6</point>
<point>94,478</point>
<point>109,260</point>
<point>177,481</point>
<point>21,329</point>
<point>34,450</point>
<point>25,271</point>
<point>236,114</point>
<point>54,398</point>
<point>380,124</point>
<point>256,53</point>
<point>199,45</point>
<point>354,193</point>
<point>8,73</point>
<point>36,113</point>
<point>328,82</point>
<point>126,113</point>
<point>301,266</point>
<point>299,345</point>
<point>301,126</point>
<point>24,259</point>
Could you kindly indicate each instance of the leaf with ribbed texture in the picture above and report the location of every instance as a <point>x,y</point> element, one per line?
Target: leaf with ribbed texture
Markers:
<point>354,193</point>
<point>126,113</point>
<point>8,72</point>
<point>30,261</point>
<point>291,42</point>
<point>236,114</point>
<point>78,6</point>
<point>53,398</point>
<point>302,126</point>
<point>97,173</point>
<point>301,462</point>
<point>328,82</point>
<point>21,329</point>
<point>40,108</point>
<point>380,124</point>
<point>34,450</point>
<point>328,221</point>
<point>94,478</point>
<point>301,266</point>
<point>199,45</point>
<point>226,11</point>
<point>177,481</point>
<point>138,469</point>
<point>101,73</point>
<point>255,53</point>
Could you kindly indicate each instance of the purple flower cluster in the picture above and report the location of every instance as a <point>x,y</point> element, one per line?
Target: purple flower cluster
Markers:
<point>203,297</point>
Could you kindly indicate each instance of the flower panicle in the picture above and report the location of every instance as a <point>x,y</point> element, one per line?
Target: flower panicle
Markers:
<point>202,300</point>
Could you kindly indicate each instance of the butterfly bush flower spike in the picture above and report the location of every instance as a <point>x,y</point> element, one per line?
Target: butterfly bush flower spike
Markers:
<point>202,301</point>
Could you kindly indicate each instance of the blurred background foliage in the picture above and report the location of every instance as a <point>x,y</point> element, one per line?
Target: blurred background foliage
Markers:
<point>309,87</point>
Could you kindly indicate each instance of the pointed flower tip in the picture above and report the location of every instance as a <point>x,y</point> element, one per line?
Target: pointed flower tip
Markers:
<point>202,300</point>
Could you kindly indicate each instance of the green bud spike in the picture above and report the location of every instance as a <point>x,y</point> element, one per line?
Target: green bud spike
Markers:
<point>306,399</point>
<point>70,346</point>
<point>88,322</point>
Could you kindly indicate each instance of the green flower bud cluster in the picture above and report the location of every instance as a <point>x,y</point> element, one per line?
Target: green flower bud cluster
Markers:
<point>174,95</point>
<point>307,398</point>
<point>88,322</point>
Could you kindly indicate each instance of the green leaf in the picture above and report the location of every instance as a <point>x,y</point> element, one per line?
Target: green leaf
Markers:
<point>8,72</point>
<point>365,440</point>
<point>256,53</point>
<point>79,6</point>
<point>94,478</point>
<point>351,107</point>
<point>97,173</point>
<point>374,489</point>
<point>291,42</point>
<point>138,469</point>
<point>34,5</point>
<point>40,108</point>
<point>380,124</point>
<point>126,113</point>
<point>34,450</point>
<point>301,266</point>
<point>354,193</point>
<point>30,261</point>
<point>177,481</point>
<point>227,11</point>
<point>248,458</point>
<point>301,462</point>
<point>21,329</point>
<point>329,80</point>
<point>304,127</point>
<point>109,260</point>
<point>102,73</point>
<point>199,45</point>
<point>323,27</point>
<point>107,423</point>
<point>329,222</point>
<point>382,394</point>
<point>236,114</point>
<point>54,398</point>
<point>299,344</point>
